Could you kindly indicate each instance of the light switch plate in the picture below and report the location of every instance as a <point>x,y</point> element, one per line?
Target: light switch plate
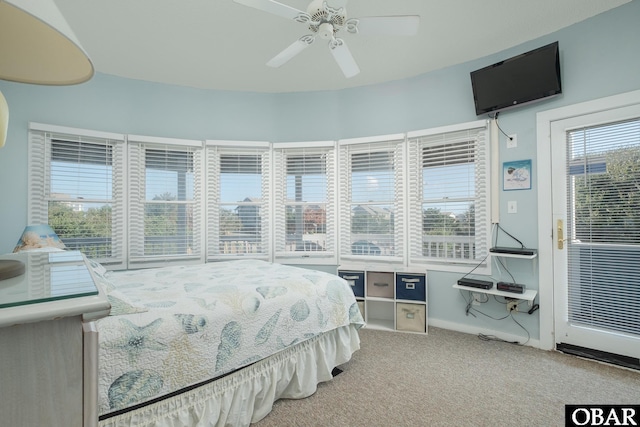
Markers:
<point>512,207</point>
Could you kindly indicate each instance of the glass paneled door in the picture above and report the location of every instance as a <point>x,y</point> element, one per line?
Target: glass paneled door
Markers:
<point>596,204</point>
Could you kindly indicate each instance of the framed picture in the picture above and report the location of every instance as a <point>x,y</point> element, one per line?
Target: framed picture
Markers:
<point>516,175</point>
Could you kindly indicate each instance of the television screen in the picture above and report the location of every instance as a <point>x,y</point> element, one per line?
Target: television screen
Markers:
<point>531,76</point>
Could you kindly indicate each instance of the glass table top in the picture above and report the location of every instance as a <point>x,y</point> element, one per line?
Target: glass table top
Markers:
<point>49,276</point>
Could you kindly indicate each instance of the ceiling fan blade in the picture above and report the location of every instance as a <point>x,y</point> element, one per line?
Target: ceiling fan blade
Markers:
<point>343,57</point>
<point>275,8</point>
<point>384,25</point>
<point>292,50</point>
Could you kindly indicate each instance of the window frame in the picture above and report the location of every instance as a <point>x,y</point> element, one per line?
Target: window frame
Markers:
<point>39,166</point>
<point>482,204</point>
<point>395,143</point>
<point>281,151</point>
<point>214,149</point>
<point>138,145</point>
<point>406,196</point>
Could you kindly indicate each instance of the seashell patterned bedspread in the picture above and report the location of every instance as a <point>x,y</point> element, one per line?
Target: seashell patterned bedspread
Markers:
<point>192,323</point>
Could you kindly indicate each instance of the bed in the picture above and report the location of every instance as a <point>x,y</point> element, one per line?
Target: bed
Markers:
<point>217,344</point>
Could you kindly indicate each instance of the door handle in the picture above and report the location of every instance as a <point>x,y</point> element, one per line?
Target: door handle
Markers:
<point>560,233</point>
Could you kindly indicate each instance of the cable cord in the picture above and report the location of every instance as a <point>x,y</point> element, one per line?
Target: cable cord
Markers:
<point>495,117</point>
<point>477,265</point>
<point>469,310</point>
<point>513,279</point>
<point>493,232</point>
<point>508,234</point>
<point>499,262</point>
<point>485,337</point>
<point>523,328</point>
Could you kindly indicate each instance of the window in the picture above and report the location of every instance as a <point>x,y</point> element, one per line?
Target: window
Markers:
<point>164,199</point>
<point>238,199</point>
<point>305,192</point>
<point>603,224</point>
<point>139,201</point>
<point>372,197</point>
<point>448,195</point>
<point>605,171</point>
<point>76,186</point>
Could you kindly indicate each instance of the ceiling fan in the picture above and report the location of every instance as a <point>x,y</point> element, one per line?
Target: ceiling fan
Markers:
<point>326,22</point>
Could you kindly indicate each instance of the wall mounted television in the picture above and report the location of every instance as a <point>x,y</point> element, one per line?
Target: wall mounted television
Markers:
<point>522,79</point>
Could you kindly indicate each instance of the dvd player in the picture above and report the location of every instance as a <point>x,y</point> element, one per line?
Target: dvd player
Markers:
<point>512,251</point>
<point>475,283</point>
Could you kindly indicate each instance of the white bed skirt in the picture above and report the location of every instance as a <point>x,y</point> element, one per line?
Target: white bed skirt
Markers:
<point>248,395</point>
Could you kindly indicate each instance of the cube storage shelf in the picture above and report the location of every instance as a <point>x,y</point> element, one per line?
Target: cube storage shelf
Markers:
<point>389,300</point>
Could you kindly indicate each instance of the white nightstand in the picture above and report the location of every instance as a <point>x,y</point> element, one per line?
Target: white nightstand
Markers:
<point>48,341</point>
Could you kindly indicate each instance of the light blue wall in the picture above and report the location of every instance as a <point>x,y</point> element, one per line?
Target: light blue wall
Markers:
<point>600,57</point>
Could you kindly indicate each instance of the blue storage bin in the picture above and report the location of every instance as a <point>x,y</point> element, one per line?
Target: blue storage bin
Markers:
<point>355,280</point>
<point>411,287</point>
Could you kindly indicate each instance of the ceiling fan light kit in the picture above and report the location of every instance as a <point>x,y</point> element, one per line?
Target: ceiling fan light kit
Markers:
<point>326,22</point>
<point>325,31</point>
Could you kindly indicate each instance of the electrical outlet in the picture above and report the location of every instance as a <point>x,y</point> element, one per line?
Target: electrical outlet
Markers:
<point>512,305</point>
<point>512,141</point>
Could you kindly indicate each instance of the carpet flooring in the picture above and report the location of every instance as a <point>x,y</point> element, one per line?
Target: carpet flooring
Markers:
<point>447,378</point>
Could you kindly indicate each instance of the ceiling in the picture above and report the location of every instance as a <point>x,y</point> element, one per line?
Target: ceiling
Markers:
<point>219,44</point>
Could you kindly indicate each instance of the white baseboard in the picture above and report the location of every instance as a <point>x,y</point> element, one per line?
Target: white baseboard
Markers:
<point>474,330</point>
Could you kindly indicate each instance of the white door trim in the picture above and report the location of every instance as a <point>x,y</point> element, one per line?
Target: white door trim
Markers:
<point>545,206</point>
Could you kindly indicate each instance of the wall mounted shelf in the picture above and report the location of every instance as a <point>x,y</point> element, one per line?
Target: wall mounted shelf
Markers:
<point>504,255</point>
<point>528,295</point>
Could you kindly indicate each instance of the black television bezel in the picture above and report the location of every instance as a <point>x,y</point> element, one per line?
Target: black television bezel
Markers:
<point>530,98</point>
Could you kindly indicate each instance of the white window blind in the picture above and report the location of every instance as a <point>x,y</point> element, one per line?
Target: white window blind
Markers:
<point>76,185</point>
<point>238,200</point>
<point>165,200</point>
<point>604,221</point>
<point>305,193</point>
<point>372,198</point>
<point>448,195</point>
